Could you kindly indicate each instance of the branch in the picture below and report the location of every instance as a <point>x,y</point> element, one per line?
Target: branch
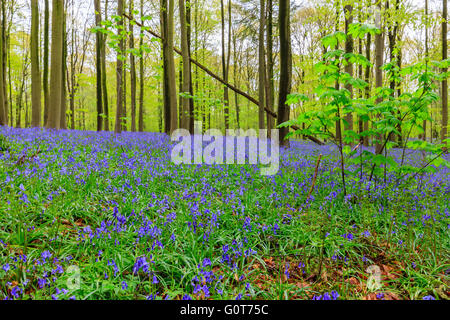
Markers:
<point>218,78</point>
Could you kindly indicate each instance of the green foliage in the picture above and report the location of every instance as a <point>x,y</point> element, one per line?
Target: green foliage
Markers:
<point>387,115</point>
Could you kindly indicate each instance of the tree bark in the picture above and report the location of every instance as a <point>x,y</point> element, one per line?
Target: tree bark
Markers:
<point>46,60</point>
<point>285,68</point>
<point>262,65</point>
<point>63,114</point>
<point>186,76</point>
<point>132,73</point>
<point>379,50</point>
<point>444,93</point>
<point>35,72</point>
<point>141,74</point>
<point>56,72</point>
<point>98,65</point>
<point>104,86</point>
<point>119,71</point>
<point>348,11</point>
<point>270,65</point>
<point>3,108</point>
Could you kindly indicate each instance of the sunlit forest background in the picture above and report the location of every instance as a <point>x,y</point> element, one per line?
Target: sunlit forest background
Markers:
<point>310,21</point>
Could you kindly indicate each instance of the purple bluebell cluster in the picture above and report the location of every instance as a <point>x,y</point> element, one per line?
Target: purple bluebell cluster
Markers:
<point>138,225</point>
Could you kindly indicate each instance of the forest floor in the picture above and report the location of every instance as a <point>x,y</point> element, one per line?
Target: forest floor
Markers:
<point>87,215</point>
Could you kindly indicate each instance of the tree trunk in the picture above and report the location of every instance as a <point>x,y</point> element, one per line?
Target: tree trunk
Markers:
<point>285,67</point>
<point>4,57</point>
<point>63,114</point>
<point>169,65</point>
<point>103,66</point>
<point>444,93</point>
<point>348,11</point>
<point>224,69</point>
<point>35,73</point>
<point>132,74</point>
<point>262,65</point>
<point>337,85</point>
<point>46,60</point>
<point>98,65</point>
<point>56,72</point>
<point>270,65</point>
<point>379,50</point>
<point>186,76</point>
<point>141,73</point>
<point>119,72</point>
<point>3,108</point>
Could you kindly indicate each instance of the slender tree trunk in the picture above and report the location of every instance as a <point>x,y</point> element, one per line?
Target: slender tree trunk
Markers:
<point>103,65</point>
<point>285,67</point>
<point>98,65</point>
<point>165,52</point>
<point>132,73</point>
<point>348,11</point>
<point>46,60</point>
<point>444,93</point>
<point>236,81</point>
<point>427,58</point>
<point>337,85</point>
<point>4,57</point>
<point>224,69</point>
<point>191,87</point>
<point>379,50</point>
<point>63,114</point>
<point>3,109</point>
<point>141,74</point>
<point>367,89</point>
<point>171,67</point>
<point>119,72</point>
<point>186,76</point>
<point>262,65</point>
<point>270,66</point>
<point>56,72</point>
<point>35,73</point>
